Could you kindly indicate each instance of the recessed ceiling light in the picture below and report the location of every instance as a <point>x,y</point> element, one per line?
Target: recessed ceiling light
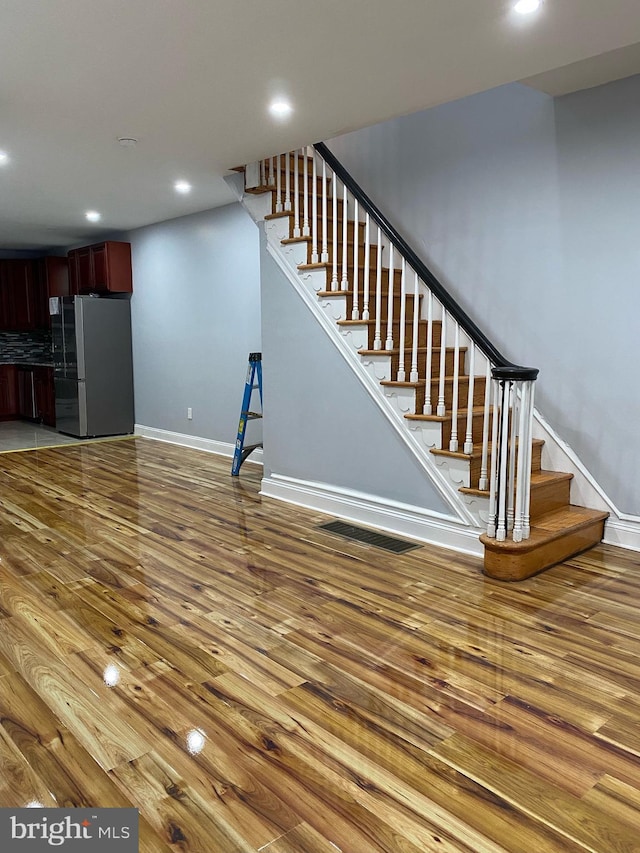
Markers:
<point>4,158</point>
<point>526,7</point>
<point>93,215</point>
<point>280,108</point>
<point>127,141</point>
<point>182,187</point>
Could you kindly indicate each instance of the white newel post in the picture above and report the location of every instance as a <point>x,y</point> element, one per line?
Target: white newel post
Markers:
<point>510,488</point>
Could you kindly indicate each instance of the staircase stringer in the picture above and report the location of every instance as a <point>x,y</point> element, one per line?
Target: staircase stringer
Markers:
<point>285,257</point>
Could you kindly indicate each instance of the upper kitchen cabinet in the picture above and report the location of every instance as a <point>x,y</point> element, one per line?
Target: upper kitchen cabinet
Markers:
<point>101,268</point>
<point>18,295</point>
<point>52,279</point>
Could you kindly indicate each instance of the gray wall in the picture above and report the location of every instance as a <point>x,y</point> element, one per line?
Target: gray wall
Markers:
<point>196,317</point>
<point>320,424</point>
<point>524,207</point>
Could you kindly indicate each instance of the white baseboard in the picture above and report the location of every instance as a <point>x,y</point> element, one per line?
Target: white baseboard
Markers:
<point>625,533</point>
<point>398,518</point>
<point>209,445</point>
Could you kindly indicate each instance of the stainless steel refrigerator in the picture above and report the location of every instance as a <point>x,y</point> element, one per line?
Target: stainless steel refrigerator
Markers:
<point>92,362</point>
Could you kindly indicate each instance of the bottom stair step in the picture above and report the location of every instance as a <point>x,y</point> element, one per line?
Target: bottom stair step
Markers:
<point>555,537</point>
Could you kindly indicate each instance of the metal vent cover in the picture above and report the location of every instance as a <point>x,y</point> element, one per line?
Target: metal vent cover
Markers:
<point>369,537</point>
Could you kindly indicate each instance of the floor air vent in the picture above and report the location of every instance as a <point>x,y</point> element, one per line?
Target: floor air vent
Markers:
<point>369,537</point>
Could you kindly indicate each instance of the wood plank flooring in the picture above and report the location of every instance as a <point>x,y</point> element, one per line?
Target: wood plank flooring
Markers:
<point>171,641</point>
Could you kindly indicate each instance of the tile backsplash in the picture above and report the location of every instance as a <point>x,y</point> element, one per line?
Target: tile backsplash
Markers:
<point>25,347</point>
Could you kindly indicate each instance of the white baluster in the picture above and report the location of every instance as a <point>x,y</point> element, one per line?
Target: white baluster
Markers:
<point>355,312</point>
<point>503,469</point>
<point>335,284</point>
<point>314,213</point>
<point>388,344</point>
<point>296,196</point>
<point>453,443</point>
<point>441,409</point>
<point>413,375</point>
<point>468,438</point>
<point>324,257</point>
<point>527,440</point>
<point>367,253</point>
<point>483,483</point>
<point>344,284</point>
<point>493,487</point>
<point>278,187</point>
<point>402,374</point>
<point>306,231</point>
<point>514,418</point>
<point>522,481</point>
<point>287,183</point>
<point>272,181</point>
<point>427,409</point>
<point>377,342</point>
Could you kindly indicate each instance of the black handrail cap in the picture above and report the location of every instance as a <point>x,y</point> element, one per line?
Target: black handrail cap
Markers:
<point>515,373</point>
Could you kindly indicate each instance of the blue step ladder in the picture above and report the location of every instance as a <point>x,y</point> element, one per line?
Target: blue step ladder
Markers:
<point>241,452</point>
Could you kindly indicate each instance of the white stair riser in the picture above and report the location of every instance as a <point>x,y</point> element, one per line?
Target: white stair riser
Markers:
<point>379,366</point>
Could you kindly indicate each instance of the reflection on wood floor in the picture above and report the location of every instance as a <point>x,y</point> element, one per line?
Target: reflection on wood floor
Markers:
<point>171,641</point>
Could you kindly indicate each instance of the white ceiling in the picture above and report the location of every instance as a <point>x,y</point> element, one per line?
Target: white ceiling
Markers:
<point>191,79</point>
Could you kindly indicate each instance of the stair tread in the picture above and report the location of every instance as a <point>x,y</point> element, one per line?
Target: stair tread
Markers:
<point>477,410</point>
<point>308,239</point>
<point>372,322</point>
<point>552,525</point>
<point>463,378</point>
<point>475,453</point>
<point>421,351</point>
<point>538,479</point>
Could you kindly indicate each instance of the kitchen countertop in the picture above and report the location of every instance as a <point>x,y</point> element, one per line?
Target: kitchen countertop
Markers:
<point>30,363</point>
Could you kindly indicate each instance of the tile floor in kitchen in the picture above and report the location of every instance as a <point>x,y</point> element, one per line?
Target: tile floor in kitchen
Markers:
<point>24,435</point>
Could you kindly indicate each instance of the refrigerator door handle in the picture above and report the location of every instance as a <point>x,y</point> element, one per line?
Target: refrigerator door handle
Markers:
<point>80,338</point>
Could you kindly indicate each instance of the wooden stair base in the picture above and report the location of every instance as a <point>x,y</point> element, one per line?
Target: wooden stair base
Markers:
<point>555,537</point>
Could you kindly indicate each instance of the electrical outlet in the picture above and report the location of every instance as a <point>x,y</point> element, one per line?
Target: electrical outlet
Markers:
<point>189,414</point>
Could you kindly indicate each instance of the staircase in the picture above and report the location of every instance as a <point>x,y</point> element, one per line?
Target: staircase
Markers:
<point>464,409</point>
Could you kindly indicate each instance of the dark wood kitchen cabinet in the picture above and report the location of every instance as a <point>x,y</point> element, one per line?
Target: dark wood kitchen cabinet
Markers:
<point>44,395</point>
<point>18,295</point>
<point>101,268</point>
<point>8,391</point>
<point>52,279</point>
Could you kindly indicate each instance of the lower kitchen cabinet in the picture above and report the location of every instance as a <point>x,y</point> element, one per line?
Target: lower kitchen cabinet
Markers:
<point>27,392</point>
<point>45,395</point>
<point>8,392</point>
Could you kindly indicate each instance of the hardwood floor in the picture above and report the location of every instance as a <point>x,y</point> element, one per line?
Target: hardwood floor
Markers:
<point>171,641</point>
